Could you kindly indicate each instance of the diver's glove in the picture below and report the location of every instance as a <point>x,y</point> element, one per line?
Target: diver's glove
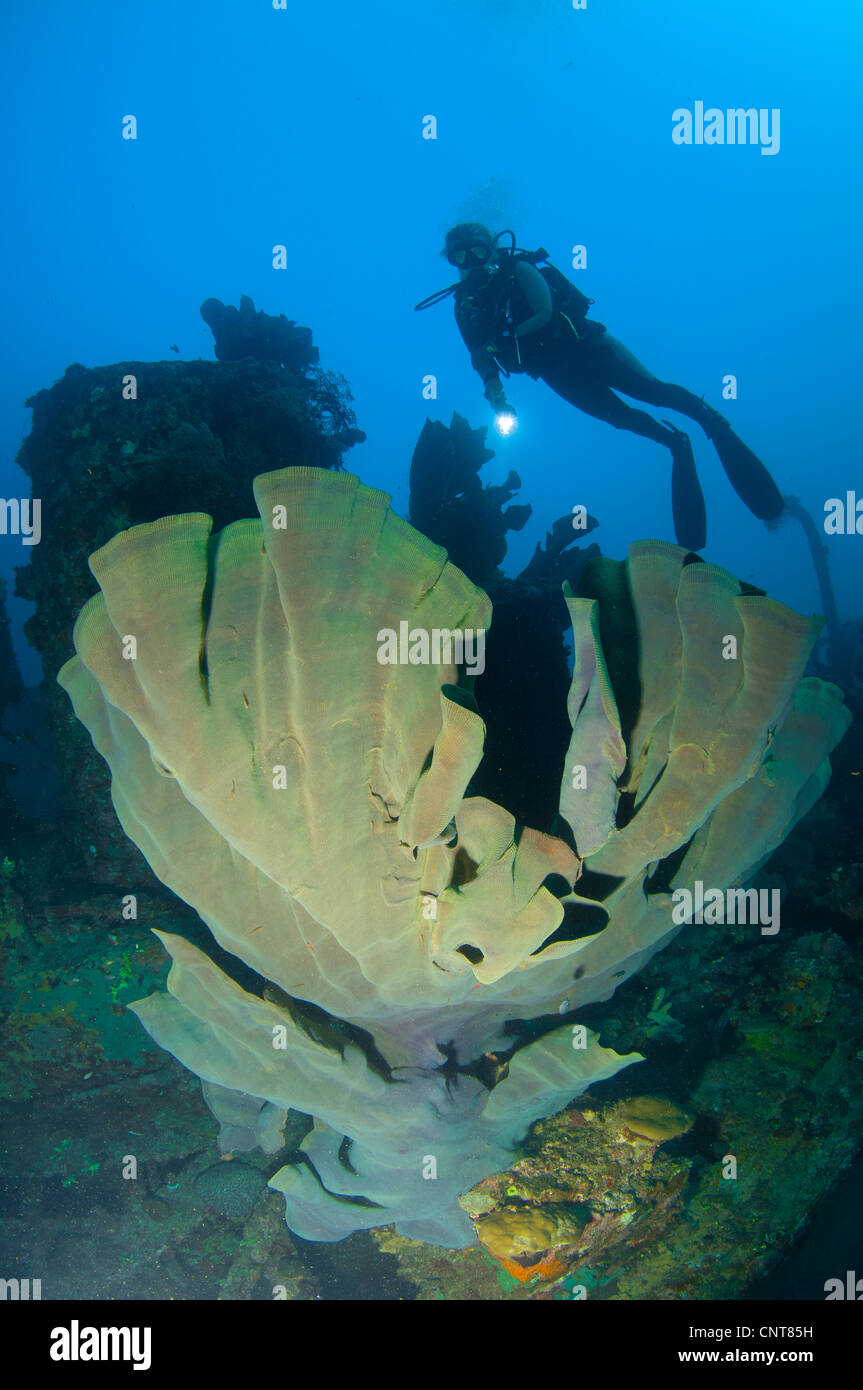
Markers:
<point>505,420</point>
<point>494,394</point>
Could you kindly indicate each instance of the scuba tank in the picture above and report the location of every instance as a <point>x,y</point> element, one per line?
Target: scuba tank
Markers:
<point>565,296</point>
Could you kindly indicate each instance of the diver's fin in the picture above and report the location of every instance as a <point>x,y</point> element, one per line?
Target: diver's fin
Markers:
<point>746,473</point>
<point>687,499</point>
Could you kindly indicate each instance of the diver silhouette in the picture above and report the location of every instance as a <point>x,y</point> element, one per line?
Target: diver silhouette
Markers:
<point>518,315</point>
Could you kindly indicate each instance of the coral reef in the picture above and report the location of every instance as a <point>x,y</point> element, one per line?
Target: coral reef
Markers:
<point>524,1238</point>
<point>450,505</point>
<point>653,1117</point>
<point>245,332</point>
<point>321,820</point>
<point>10,693</point>
<point>103,455</point>
<point>10,676</point>
<point>523,690</point>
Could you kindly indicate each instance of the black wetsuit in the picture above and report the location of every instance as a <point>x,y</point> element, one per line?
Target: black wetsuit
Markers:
<point>507,317</point>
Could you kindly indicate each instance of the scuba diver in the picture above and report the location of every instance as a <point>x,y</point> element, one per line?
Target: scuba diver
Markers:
<point>517,314</point>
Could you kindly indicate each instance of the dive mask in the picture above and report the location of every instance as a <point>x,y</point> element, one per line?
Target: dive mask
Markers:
<point>472,256</point>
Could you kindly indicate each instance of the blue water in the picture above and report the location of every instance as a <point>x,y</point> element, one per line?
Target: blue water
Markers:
<point>303,126</point>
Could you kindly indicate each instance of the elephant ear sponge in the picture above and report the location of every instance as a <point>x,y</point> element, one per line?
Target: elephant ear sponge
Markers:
<point>311,800</point>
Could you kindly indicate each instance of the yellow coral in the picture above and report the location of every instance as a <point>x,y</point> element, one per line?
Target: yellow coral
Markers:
<point>525,1231</point>
<point>653,1117</point>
